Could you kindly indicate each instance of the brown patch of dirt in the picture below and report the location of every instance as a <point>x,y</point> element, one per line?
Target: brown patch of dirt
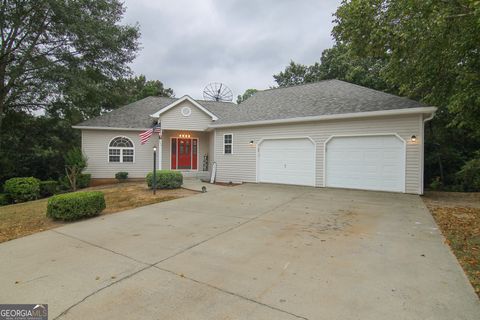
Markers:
<point>458,216</point>
<point>18,220</point>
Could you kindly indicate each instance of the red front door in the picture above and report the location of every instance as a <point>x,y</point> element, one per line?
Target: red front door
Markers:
<point>184,149</point>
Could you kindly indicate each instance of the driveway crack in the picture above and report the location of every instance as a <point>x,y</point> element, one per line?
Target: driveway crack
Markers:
<point>232,293</point>
<point>172,256</point>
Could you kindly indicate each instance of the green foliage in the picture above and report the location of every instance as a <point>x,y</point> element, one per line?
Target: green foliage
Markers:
<point>425,50</point>
<point>4,199</point>
<point>336,63</point>
<point>469,175</point>
<point>74,206</point>
<point>166,179</point>
<point>121,176</point>
<point>48,188</point>
<point>34,146</point>
<point>22,189</point>
<point>430,50</point>
<point>75,163</point>
<point>76,158</point>
<point>50,44</point>
<point>295,74</point>
<point>247,94</point>
<point>436,184</point>
<point>83,180</point>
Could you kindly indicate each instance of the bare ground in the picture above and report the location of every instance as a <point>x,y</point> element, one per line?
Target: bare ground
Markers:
<point>458,216</point>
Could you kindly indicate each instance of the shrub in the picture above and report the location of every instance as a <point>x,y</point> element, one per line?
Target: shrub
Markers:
<point>74,206</point>
<point>469,175</point>
<point>48,188</point>
<point>166,179</point>
<point>3,199</point>
<point>436,184</point>
<point>83,180</point>
<point>22,189</point>
<point>121,176</point>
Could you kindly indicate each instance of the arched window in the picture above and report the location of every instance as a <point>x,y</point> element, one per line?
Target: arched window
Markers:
<point>120,149</point>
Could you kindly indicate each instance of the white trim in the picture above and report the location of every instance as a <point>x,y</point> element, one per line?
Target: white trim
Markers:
<point>180,100</point>
<point>426,110</point>
<point>231,143</point>
<point>121,150</point>
<point>191,154</point>
<point>366,135</point>
<point>186,111</point>
<point>109,128</point>
<point>422,156</point>
<point>285,138</point>
<point>160,151</point>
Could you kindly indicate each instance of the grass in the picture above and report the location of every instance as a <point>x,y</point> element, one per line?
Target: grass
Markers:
<point>18,220</point>
<point>458,216</point>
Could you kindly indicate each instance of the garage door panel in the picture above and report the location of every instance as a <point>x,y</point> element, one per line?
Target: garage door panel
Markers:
<point>367,162</point>
<point>288,161</point>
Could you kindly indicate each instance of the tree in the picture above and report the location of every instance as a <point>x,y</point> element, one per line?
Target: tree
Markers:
<point>34,146</point>
<point>336,63</point>
<point>75,163</point>
<point>47,44</point>
<point>431,50</point>
<point>296,73</point>
<point>247,94</point>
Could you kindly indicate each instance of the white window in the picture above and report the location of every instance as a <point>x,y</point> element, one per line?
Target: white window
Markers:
<point>228,143</point>
<point>121,149</point>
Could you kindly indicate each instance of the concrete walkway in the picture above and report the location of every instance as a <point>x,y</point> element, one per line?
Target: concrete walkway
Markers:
<point>197,185</point>
<point>246,252</point>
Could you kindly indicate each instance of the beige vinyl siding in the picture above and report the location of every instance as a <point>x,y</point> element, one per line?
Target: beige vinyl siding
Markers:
<point>95,146</point>
<point>173,119</point>
<point>203,146</point>
<point>241,165</point>
<point>211,150</point>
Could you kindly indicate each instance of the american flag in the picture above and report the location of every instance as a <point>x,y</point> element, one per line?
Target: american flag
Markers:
<point>144,136</point>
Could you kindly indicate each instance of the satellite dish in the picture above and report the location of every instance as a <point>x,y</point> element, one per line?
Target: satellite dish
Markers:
<point>216,91</point>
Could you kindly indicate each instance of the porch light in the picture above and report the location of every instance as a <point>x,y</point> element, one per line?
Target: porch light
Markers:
<point>413,138</point>
<point>155,149</point>
<point>184,135</point>
<point>251,142</point>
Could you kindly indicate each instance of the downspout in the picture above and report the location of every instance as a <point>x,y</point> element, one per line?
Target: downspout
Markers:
<point>423,151</point>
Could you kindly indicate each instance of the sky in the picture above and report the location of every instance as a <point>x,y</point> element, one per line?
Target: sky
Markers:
<point>189,44</point>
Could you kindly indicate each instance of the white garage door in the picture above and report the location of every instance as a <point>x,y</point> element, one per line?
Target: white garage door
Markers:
<point>288,161</point>
<point>371,163</point>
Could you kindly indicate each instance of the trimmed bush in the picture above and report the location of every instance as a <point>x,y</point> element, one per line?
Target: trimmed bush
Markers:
<point>48,188</point>
<point>74,206</point>
<point>121,176</point>
<point>83,180</point>
<point>22,189</point>
<point>166,179</point>
<point>3,199</point>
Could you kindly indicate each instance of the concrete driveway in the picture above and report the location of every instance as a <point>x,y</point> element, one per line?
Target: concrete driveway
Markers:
<point>247,252</point>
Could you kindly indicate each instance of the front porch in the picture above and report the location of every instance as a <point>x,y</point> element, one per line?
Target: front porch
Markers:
<point>186,151</point>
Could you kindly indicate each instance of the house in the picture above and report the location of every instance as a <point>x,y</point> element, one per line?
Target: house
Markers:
<point>325,134</point>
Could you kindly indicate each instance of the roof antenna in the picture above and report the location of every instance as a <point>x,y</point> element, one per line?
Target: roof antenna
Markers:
<point>217,91</point>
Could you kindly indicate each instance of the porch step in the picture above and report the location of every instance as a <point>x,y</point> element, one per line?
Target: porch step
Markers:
<point>196,174</point>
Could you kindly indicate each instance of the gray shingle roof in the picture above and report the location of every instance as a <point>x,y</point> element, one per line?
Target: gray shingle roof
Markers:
<point>315,99</point>
<point>137,114</point>
<point>326,97</point>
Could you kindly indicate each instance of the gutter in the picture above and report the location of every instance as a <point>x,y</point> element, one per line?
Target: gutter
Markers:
<point>424,110</point>
<point>108,128</point>
<point>422,183</point>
